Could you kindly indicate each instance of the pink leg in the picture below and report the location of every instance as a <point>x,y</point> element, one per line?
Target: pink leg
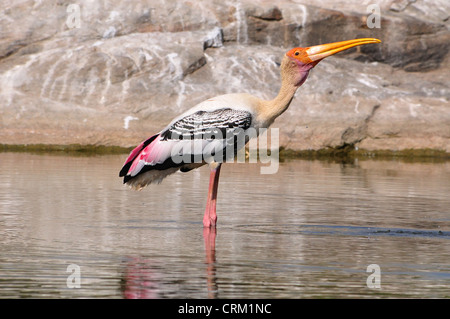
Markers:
<point>210,217</point>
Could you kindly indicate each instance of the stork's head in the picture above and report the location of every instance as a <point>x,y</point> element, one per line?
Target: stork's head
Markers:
<point>299,61</point>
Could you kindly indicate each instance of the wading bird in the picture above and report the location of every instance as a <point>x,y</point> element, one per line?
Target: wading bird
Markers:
<point>216,123</point>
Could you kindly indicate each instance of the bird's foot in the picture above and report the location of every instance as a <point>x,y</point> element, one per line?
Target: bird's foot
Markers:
<point>209,222</point>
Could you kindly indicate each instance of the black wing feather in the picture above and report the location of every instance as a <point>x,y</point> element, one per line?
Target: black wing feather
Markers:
<point>203,123</point>
<point>226,124</point>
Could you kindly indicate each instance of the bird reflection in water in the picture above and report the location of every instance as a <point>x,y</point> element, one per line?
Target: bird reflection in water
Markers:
<point>142,280</point>
<point>209,236</point>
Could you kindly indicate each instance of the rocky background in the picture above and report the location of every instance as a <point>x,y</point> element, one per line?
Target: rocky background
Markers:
<point>114,72</point>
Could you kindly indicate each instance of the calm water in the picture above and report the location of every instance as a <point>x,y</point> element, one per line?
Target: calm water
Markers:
<point>311,230</point>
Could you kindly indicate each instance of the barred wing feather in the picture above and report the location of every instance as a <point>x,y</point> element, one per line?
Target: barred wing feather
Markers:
<point>186,141</point>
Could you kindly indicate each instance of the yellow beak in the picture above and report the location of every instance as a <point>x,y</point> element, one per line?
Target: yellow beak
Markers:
<point>319,52</point>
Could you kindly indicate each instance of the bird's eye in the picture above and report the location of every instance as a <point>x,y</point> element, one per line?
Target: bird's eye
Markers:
<point>297,53</point>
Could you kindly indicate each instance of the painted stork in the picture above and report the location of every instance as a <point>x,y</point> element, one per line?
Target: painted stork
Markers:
<point>215,123</point>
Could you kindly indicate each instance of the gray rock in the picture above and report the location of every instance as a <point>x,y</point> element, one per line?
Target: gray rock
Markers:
<point>213,39</point>
<point>129,68</point>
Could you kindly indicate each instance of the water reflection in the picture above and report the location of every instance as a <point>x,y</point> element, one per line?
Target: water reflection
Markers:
<point>311,230</point>
<point>209,235</point>
<point>140,280</point>
<point>143,280</point>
